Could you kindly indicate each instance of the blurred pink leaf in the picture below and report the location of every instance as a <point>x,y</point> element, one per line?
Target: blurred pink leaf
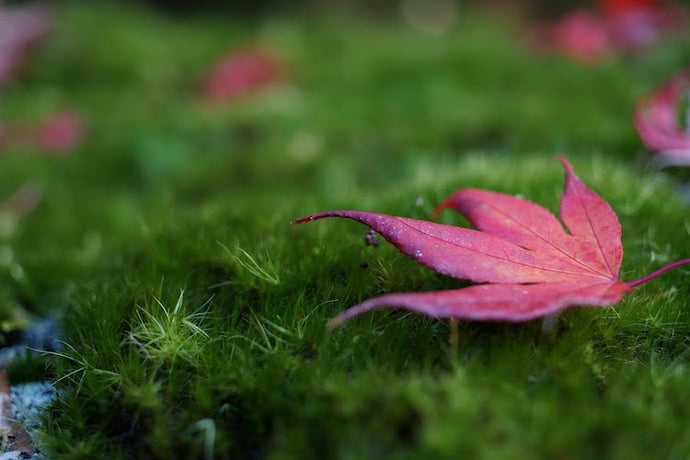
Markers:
<point>241,72</point>
<point>615,7</point>
<point>20,28</point>
<point>618,26</point>
<point>637,24</point>
<point>657,119</point>
<point>531,266</point>
<point>61,133</point>
<point>581,36</point>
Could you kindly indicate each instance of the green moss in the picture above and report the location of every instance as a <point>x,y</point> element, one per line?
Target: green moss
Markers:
<point>169,195</point>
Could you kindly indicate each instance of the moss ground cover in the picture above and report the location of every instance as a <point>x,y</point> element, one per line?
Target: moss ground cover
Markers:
<point>194,313</point>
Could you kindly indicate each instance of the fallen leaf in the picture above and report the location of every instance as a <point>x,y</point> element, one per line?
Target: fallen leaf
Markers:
<point>581,36</point>
<point>618,7</point>
<point>616,27</point>
<point>637,24</point>
<point>61,132</point>
<point>531,266</point>
<point>659,125</point>
<point>57,134</point>
<point>6,413</point>
<point>20,28</point>
<point>240,73</point>
<point>15,439</point>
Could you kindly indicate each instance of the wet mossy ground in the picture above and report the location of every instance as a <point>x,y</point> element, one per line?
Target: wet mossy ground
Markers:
<point>194,313</point>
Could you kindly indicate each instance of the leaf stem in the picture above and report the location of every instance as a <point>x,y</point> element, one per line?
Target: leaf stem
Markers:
<point>658,272</point>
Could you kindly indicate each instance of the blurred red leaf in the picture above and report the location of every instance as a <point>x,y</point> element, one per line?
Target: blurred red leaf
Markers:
<point>636,24</point>
<point>618,26</point>
<point>20,28</point>
<point>60,133</point>
<point>658,122</point>
<point>531,266</point>
<point>581,36</point>
<point>241,72</point>
<point>618,7</point>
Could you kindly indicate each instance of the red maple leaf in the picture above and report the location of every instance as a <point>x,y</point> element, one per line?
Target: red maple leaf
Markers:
<point>241,72</point>
<point>581,35</point>
<point>618,26</point>
<point>637,24</point>
<point>530,264</point>
<point>619,7</point>
<point>57,134</point>
<point>60,133</point>
<point>658,124</point>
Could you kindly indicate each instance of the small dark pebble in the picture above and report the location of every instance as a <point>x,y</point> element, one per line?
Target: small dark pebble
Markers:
<point>371,239</point>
